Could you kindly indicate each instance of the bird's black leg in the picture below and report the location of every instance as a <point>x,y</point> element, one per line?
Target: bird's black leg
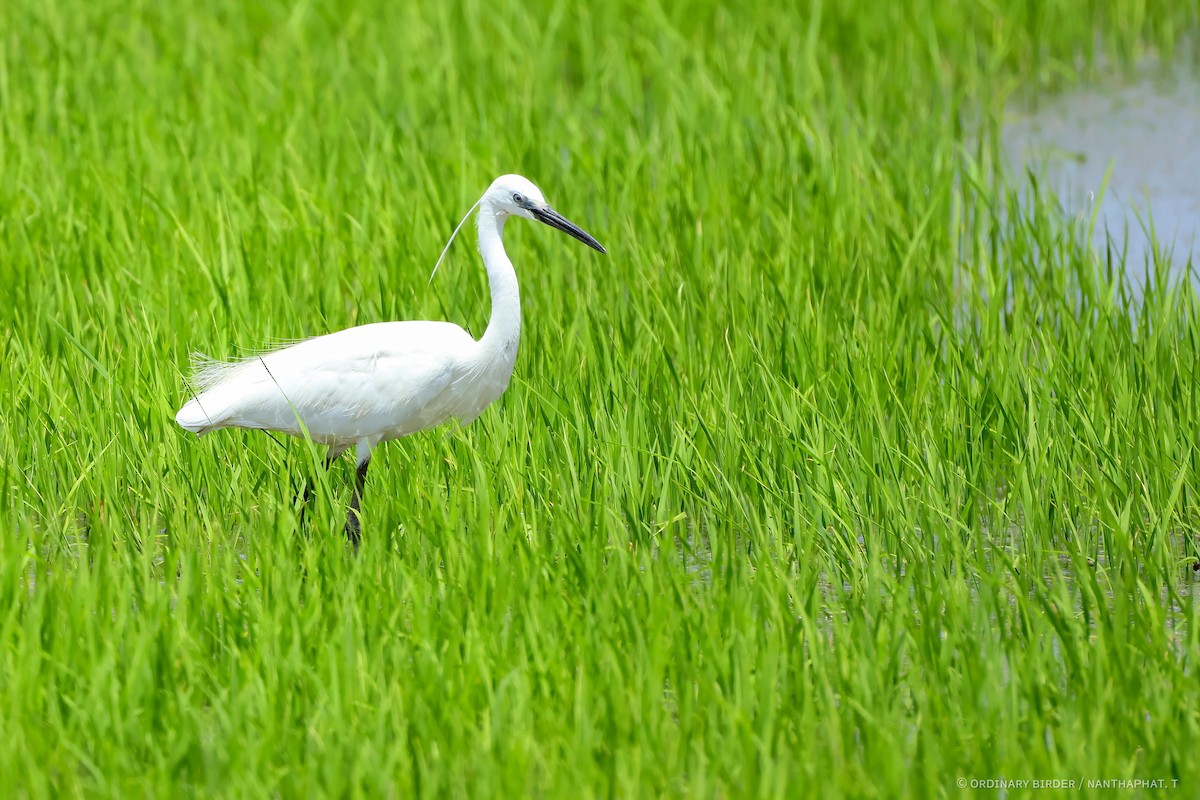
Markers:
<point>354,517</point>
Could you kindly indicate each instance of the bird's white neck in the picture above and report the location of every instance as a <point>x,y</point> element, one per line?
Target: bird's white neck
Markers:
<point>503,332</point>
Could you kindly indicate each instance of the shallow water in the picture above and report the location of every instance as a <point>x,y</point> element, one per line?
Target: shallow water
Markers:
<point>1148,129</point>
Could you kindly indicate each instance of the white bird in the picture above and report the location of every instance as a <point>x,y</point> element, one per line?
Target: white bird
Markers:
<point>368,384</point>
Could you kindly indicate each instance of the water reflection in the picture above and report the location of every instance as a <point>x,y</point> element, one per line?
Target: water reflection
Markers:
<point>1148,130</point>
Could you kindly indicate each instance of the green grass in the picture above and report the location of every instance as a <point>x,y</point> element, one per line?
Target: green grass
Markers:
<point>843,474</point>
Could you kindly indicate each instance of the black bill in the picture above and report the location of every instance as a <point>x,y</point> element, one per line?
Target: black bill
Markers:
<point>556,220</point>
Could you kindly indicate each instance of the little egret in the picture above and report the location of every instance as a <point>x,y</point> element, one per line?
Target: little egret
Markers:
<point>368,384</point>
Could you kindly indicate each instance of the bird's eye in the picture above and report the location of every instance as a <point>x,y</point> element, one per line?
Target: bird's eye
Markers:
<point>518,199</point>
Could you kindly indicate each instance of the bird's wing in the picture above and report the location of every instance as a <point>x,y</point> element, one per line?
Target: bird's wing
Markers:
<point>393,391</point>
<point>352,384</point>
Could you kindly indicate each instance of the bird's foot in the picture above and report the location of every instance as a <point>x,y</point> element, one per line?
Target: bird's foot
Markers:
<point>353,528</point>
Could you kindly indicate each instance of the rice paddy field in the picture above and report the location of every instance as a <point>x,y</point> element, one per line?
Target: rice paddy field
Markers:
<point>853,470</point>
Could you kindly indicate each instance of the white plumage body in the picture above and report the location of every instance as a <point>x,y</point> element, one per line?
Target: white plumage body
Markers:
<point>373,382</point>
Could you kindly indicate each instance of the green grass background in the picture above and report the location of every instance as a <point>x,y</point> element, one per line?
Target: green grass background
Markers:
<point>843,474</point>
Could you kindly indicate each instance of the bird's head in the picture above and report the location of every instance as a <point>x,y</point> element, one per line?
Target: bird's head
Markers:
<point>519,197</point>
<point>512,195</point>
